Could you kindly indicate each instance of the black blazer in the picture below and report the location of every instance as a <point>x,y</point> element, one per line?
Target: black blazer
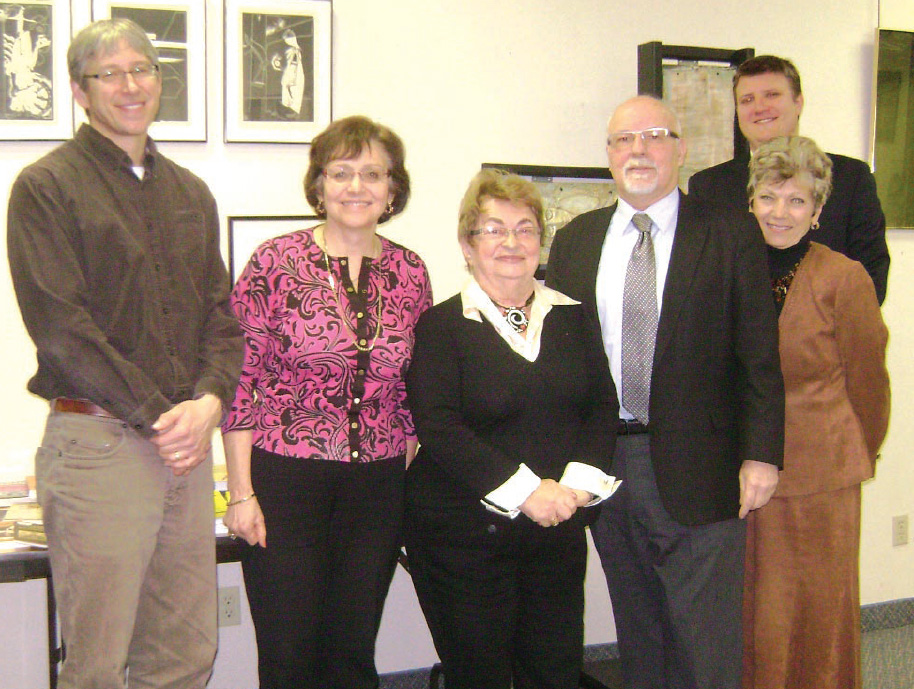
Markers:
<point>852,222</point>
<point>717,394</point>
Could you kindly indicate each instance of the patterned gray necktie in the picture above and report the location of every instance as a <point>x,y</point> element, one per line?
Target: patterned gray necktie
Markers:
<point>639,322</point>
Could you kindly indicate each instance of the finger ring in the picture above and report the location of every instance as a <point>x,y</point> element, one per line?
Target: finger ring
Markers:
<point>232,535</point>
<point>177,455</point>
<point>555,522</point>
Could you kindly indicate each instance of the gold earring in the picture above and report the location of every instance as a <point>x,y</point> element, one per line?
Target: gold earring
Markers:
<point>390,208</point>
<point>320,206</point>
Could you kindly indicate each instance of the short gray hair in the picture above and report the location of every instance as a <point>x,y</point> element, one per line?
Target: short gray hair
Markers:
<point>103,37</point>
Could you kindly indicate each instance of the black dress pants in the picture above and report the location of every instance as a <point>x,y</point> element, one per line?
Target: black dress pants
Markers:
<point>504,600</point>
<point>317,590</point>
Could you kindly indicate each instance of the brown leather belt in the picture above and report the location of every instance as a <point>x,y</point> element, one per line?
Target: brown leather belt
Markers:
<point>630,427</point>
<point>71,406</point>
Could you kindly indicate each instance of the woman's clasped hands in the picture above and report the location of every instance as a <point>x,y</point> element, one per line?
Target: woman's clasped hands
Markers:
<point>552,503</point>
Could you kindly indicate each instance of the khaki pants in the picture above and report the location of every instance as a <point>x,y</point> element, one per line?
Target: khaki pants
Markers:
<point>132,555</point>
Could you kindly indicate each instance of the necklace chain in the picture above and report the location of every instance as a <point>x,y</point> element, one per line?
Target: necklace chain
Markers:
<point>342,313</point>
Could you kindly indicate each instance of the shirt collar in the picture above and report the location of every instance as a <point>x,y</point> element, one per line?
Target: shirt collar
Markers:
<point>663,213</point>
<point>477,304</point>
<point>109,152</point>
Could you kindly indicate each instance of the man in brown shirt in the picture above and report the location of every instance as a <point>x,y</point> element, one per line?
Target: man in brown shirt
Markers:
<point>114,254</point>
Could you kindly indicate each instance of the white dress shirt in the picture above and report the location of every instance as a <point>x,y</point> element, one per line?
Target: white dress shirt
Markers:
<point>617,249</point>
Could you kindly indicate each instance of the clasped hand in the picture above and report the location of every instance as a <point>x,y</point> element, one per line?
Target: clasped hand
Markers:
<point>184,434</point>
<point>552,503</point>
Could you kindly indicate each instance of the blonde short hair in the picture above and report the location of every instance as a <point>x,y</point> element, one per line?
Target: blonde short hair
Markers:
<point>499,185</point>
<point>787,157</point>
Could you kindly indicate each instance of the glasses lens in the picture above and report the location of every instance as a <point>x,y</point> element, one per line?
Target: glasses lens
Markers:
<point>340,175</point>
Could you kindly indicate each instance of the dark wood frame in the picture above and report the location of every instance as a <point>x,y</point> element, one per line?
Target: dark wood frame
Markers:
<point>650,71</point>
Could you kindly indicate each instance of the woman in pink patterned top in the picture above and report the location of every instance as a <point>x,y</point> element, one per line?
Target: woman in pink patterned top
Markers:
<point>319,434</point>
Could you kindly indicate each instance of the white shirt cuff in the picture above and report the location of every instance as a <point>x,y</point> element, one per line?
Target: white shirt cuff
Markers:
<point>580,476</point>
<point>511,494</point>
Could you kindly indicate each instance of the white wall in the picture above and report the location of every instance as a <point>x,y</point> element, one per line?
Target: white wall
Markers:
<point>523,81</point>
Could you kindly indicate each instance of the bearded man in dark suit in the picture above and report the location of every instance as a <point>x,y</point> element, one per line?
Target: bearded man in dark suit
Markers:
<point>769,101</point>
<point>700,434</point>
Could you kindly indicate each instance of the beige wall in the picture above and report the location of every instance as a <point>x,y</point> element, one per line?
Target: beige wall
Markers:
<point>524,81</point>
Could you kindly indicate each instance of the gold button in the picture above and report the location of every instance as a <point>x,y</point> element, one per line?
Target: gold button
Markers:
<point>354,424</point>
<point>357,400</point>
<point>359,314</point>
<point>355,454</point>
<point>363,342</point>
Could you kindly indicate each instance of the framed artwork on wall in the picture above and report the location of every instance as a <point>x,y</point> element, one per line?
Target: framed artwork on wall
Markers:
<point>35,99</point>
<point>567,192</point>
<point>698,84</point>
<point>178,32</point>
<point>893,126</point>
<point>247,232</point>
<point>277,70</point>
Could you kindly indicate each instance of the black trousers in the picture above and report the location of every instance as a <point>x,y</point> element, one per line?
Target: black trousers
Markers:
<point>317,590</point>
<point>676,590</point>
<point>504,600</point>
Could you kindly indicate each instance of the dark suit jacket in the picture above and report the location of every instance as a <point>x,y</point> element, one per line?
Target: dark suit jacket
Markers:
<point>717,395</point>
<point>852,222</point>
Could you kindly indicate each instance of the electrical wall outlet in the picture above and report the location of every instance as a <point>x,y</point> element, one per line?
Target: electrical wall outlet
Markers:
<point>229,602</point>
<point>900,530</point>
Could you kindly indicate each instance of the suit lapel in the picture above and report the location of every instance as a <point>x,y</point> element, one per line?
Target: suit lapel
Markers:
<point>688,244</point>
<point>590,254</point>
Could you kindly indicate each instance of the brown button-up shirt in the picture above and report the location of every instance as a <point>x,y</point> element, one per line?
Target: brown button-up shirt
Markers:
<point>120,281</point>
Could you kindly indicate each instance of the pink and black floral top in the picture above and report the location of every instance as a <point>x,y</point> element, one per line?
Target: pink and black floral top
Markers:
<point>306,388</point>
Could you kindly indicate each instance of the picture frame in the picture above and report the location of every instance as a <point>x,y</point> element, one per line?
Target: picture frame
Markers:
<point>277,70</point>
<point>567,192</point>
<point>892,133</point>
<point>247,232</point>
<point>697,83</point>
<point>36,103</point>
<point>178,32</point>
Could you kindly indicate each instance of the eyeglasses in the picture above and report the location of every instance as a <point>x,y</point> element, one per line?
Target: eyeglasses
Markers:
<point>500,232</point>
<point>655,136</point>
<point>140,73</point>
<point>344,175</point>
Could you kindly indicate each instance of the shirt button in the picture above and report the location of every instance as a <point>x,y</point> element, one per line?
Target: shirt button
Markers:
<point>165,310</point>
<point>355,454</point>
<point>360,372</point>
<point>360,315</point>
<point>357,400</point>
<point>342,261</point>
<point>350,290</point>
<point>354,424</point>
<point>363,342</point>
<point>491,528</point>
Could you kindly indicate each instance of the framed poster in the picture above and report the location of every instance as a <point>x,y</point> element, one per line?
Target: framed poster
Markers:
<point>893,126</point>
<point>277,70</point>
<point>35,99</point>
<point>567,192</point>
<point>178,32</point>
<point>247,232</point>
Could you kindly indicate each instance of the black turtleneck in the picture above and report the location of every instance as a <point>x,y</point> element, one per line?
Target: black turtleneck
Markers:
<point>782,264</point>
